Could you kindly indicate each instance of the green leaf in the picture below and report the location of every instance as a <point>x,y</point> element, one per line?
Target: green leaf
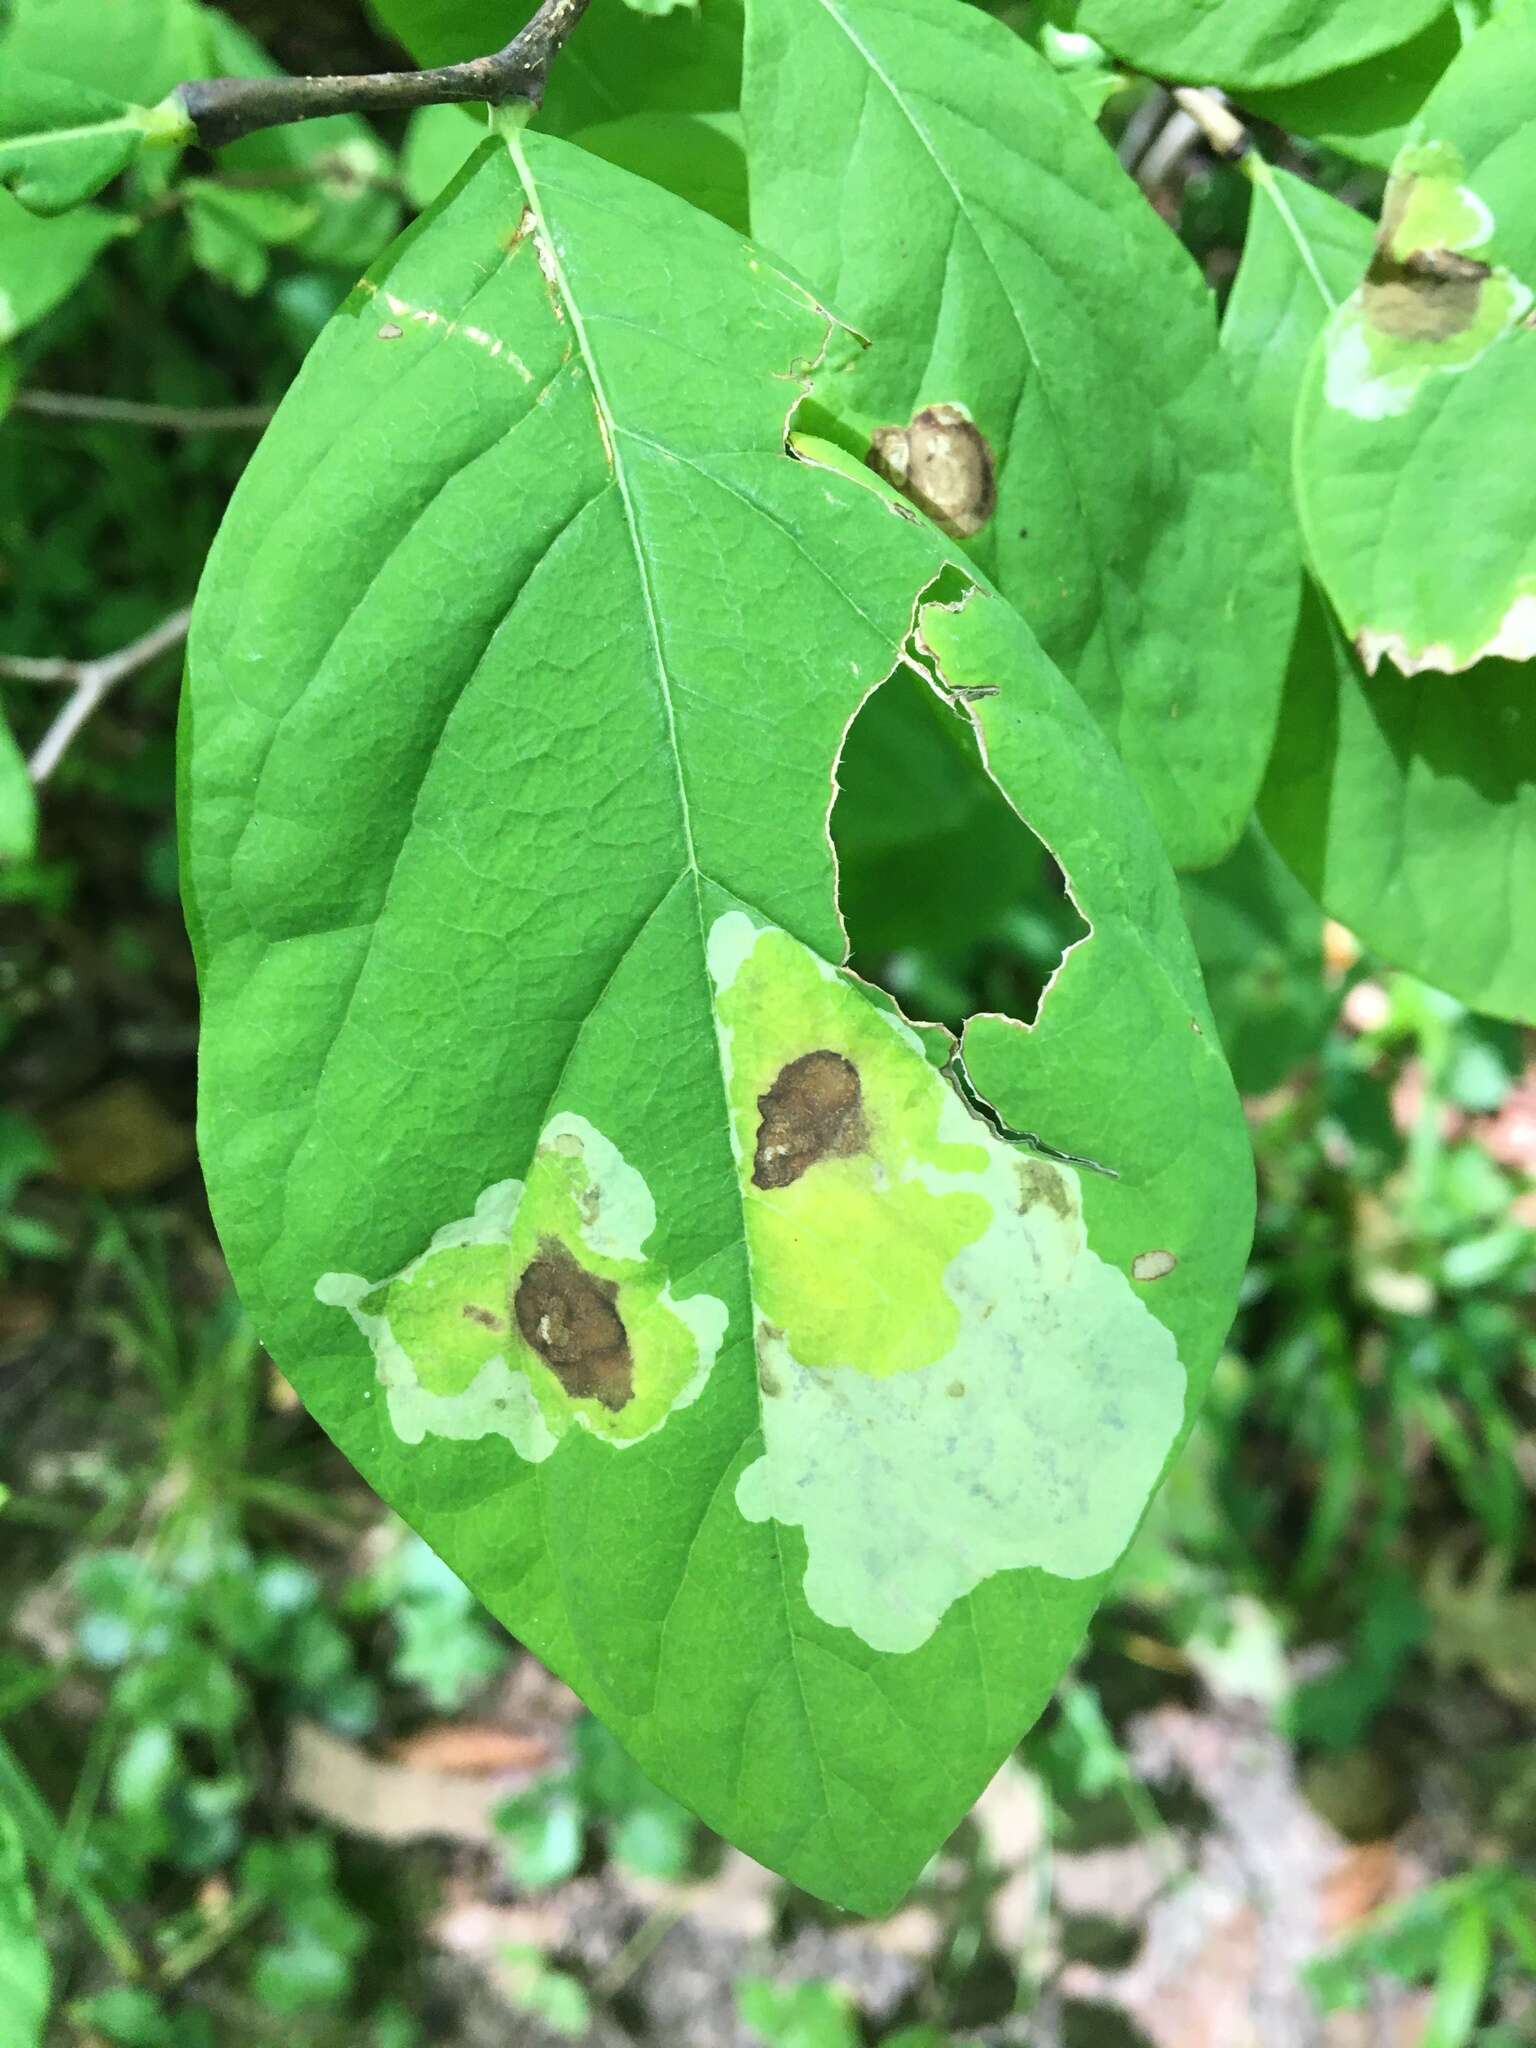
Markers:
<point>551,1995</point>
<point>1304,254</point>
<point>18,801</point>
<point>61,142</point>
<point>797,2015</point>
<point>698,156</point>
<point>1386,794</point>
<point>941,184</point>
<point>1364,110</point>
<point>524,574</point>
<point>136,50</point>
<point>25,1977</point>
<point>1260,941</point>
<point>439,141</point>
<point>541,1837</point>
<point>1255,42</point>
<point>41,261</point>
<point>1415,418</point>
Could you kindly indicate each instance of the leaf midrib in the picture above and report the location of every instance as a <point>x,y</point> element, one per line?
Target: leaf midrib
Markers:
<point>612,435</point>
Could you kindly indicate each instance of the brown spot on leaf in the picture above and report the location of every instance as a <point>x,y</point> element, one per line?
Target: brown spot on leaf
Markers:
<point>942,462</point>
<point>1431,295</point>
<point>813,1111</point>
<point>567,1315</point>
<point>485,1317</point>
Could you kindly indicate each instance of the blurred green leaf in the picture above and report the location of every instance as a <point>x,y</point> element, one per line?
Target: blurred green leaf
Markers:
<point>1258,43</point>
<point>1260,941</point>
<point>18,800</point>
<point>135,49</point>
<point>25,1976</point>
<point>1364,110</point>
<point>60,142</point>
<point>439,142</point>
<point>541,1836</point>
<point>41,262</point>
<point>797,2015</point>
<point>549,1995</point>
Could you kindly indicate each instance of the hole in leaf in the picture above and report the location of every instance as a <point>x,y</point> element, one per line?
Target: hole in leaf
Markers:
<point>951,903</point>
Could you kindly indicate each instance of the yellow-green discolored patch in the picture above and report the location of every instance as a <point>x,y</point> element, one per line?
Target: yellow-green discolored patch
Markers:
<point>1430,303</point>
<point>539,1312</point>
<point>952,1383</point>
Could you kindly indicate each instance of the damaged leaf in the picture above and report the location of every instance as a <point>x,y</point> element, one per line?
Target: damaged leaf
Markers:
<point>523,1054</point>
<point>1415,454</point>
<point>943,186</point>
<point>1254,43</point>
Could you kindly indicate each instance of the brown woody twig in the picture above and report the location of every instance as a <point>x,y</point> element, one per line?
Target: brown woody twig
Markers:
<point>223,109</point>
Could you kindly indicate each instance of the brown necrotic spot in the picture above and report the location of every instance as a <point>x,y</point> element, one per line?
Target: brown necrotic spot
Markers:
<point>942,462</point>
<point>487,1318</point>
<point>567,1315</point>
<point>1432,295</point>
<point>813,1111</point>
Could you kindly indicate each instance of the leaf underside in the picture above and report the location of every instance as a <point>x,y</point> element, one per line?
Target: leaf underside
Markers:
<point>527,1112</point>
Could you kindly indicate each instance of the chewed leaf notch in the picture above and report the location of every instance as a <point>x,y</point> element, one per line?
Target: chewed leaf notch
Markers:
<point>950,900</point>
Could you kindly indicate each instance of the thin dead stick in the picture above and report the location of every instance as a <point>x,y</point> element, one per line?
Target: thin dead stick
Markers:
<point>1217,123</point>
<point>90,680</point>
<point>131,412</point>
<point>223,109</point>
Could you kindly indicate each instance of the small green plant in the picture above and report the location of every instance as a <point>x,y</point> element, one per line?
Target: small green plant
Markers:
<point>1466,1936</point>
<point>544,1831</point>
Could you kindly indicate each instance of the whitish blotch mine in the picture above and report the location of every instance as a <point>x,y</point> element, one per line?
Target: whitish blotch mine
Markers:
<point>952,1382</point>
<point>1432,303</point>
<point>812,1112</point>
<point>942,461</point>
<point>541,1312</point>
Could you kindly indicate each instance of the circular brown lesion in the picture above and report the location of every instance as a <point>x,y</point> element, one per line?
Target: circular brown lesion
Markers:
<point>813,1111</point>
<point>944,463</point>
<point>570,1319</point>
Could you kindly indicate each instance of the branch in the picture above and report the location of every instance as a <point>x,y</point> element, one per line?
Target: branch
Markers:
<point>224,109</point>
<point>91,680</point>
<point>131,412</point>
